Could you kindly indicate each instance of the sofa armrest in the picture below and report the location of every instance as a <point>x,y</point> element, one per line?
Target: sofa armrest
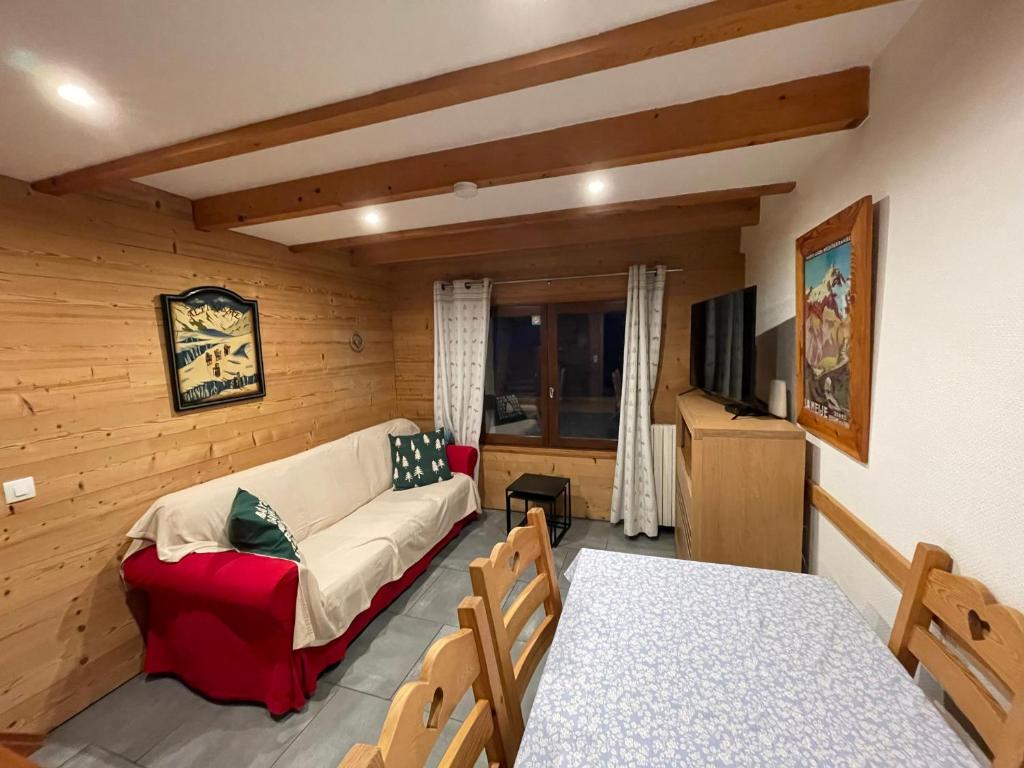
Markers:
<point>462,458</point>
<point>234,580</point>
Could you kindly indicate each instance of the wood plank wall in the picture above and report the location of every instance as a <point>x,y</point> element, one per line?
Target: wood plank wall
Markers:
<point>711,263</point>
<point>85,408</point>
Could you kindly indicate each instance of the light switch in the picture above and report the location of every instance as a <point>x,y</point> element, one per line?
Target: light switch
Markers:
<point>19,490</point>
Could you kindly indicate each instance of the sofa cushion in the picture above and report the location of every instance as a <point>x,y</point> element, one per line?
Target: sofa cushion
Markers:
<point>418,460</point>
<point>373,452</point>
<point>311,491</point>
<point>378,542</point>
<point>254,526</point>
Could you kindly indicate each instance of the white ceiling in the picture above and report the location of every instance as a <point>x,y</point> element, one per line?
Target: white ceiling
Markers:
<point>175,69</point>
<point>167,70</point>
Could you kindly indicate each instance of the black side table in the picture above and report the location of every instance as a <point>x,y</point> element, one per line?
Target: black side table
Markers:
<point>546,490</point>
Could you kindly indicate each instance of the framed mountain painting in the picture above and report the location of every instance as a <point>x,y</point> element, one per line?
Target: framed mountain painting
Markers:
<point>213,347</point>
<point>834,266</point>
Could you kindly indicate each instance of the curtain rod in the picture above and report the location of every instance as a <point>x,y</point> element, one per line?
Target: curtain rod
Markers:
<point>575,277</point>
<point>565,277</point>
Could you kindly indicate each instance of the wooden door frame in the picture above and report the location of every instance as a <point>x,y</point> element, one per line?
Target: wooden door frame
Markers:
<point>547,415</point>
<point>543,407</point>
<point>554,437</point>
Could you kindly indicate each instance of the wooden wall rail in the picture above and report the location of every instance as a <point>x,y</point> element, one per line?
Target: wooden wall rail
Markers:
<point>888,560</point>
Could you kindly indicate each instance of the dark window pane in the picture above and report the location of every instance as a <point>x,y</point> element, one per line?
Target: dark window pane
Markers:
<point>590,345</point>
<point>512,389</point>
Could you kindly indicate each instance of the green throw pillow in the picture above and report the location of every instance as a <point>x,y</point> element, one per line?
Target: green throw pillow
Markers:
<point>253,526</point>
<point>419,460</point>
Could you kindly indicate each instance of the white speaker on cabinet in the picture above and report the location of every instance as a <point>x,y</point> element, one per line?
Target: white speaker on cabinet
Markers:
<point>777,405</point>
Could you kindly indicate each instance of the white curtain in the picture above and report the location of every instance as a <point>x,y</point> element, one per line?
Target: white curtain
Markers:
<point>633,494</point>
<point>462,311</point>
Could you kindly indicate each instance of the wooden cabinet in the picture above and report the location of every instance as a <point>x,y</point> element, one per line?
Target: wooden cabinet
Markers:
<point>739,487</point>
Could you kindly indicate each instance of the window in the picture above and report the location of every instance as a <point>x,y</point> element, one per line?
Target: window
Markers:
<point>554,375</point>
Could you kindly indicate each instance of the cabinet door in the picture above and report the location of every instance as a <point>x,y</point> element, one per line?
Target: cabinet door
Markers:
<point>751,502</point>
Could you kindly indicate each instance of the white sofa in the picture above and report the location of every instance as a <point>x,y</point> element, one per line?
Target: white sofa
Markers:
<point>355,534</point>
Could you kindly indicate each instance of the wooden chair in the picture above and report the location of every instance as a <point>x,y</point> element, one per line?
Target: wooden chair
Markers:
<point>992,635</point>
<point>11,759</point>
<point>493,578</point>
<point>15,749</point>
<point>421,708</point>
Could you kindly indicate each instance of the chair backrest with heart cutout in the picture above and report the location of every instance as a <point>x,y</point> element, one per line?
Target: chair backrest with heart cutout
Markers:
<point>493,579</point>
<point>422,708</point>
<point>991,636</point>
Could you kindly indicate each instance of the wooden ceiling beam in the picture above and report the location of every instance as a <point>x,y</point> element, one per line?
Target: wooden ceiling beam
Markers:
<point>805,107</point>
<point>445,232</point>
<point>523,233</point>
<point>694,27</point>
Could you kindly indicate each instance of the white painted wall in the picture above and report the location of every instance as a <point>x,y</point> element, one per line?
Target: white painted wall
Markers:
<point>943,151</point>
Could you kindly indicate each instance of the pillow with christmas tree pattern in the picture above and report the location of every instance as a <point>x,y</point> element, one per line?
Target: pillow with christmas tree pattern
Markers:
<point>419,459</point>
<point>253,526</point>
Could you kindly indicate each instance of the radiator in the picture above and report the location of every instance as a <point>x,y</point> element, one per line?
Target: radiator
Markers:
<point>663,441</point>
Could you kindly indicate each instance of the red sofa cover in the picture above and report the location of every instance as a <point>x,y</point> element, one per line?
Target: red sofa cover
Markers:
<point>223,622</point>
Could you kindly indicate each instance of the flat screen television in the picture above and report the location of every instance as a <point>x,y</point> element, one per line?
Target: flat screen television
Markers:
<point>722,348</point>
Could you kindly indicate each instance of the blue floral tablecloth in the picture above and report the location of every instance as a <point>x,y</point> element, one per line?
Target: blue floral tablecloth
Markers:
<point>660,662</point>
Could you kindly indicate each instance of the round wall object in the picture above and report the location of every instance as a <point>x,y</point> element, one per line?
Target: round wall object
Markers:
<point>356,342</point>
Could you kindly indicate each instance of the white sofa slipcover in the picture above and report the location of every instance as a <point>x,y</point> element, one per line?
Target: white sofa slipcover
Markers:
<point>354,531</point>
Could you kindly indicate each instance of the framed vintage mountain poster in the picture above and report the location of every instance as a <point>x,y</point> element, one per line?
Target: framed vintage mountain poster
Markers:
<point>213,347</point>
<point>834,280</point>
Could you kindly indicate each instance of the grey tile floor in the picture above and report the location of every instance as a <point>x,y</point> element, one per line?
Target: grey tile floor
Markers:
<point>158,722</point>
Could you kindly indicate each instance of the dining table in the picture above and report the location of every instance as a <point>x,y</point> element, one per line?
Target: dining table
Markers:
<point>664,662</point>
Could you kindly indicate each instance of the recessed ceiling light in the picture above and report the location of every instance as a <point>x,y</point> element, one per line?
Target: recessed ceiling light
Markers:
<point>465,189</point>
<point>596,187</point>
<point>372,218</point>
<point>76,94</point>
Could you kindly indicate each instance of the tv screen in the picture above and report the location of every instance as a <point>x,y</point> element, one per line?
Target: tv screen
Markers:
<point>722,345</point>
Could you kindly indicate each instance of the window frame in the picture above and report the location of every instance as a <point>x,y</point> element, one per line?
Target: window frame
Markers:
<point>548,411</point>
<point>523,310</point>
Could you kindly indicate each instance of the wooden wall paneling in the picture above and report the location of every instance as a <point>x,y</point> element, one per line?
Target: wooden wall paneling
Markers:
<point>592,474</point>
<point>711,265</point>
<point>85,409</point>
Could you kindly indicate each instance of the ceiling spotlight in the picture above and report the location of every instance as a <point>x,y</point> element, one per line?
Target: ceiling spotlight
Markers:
<point>372,218</point>
<point>596,187</point>
<point>76,94</point>
<point>465,189</point>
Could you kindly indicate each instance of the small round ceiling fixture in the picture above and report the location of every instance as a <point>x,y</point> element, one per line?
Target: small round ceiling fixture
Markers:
<point>596,187</point>
<point>465,189</point>
<point>372,218</point>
